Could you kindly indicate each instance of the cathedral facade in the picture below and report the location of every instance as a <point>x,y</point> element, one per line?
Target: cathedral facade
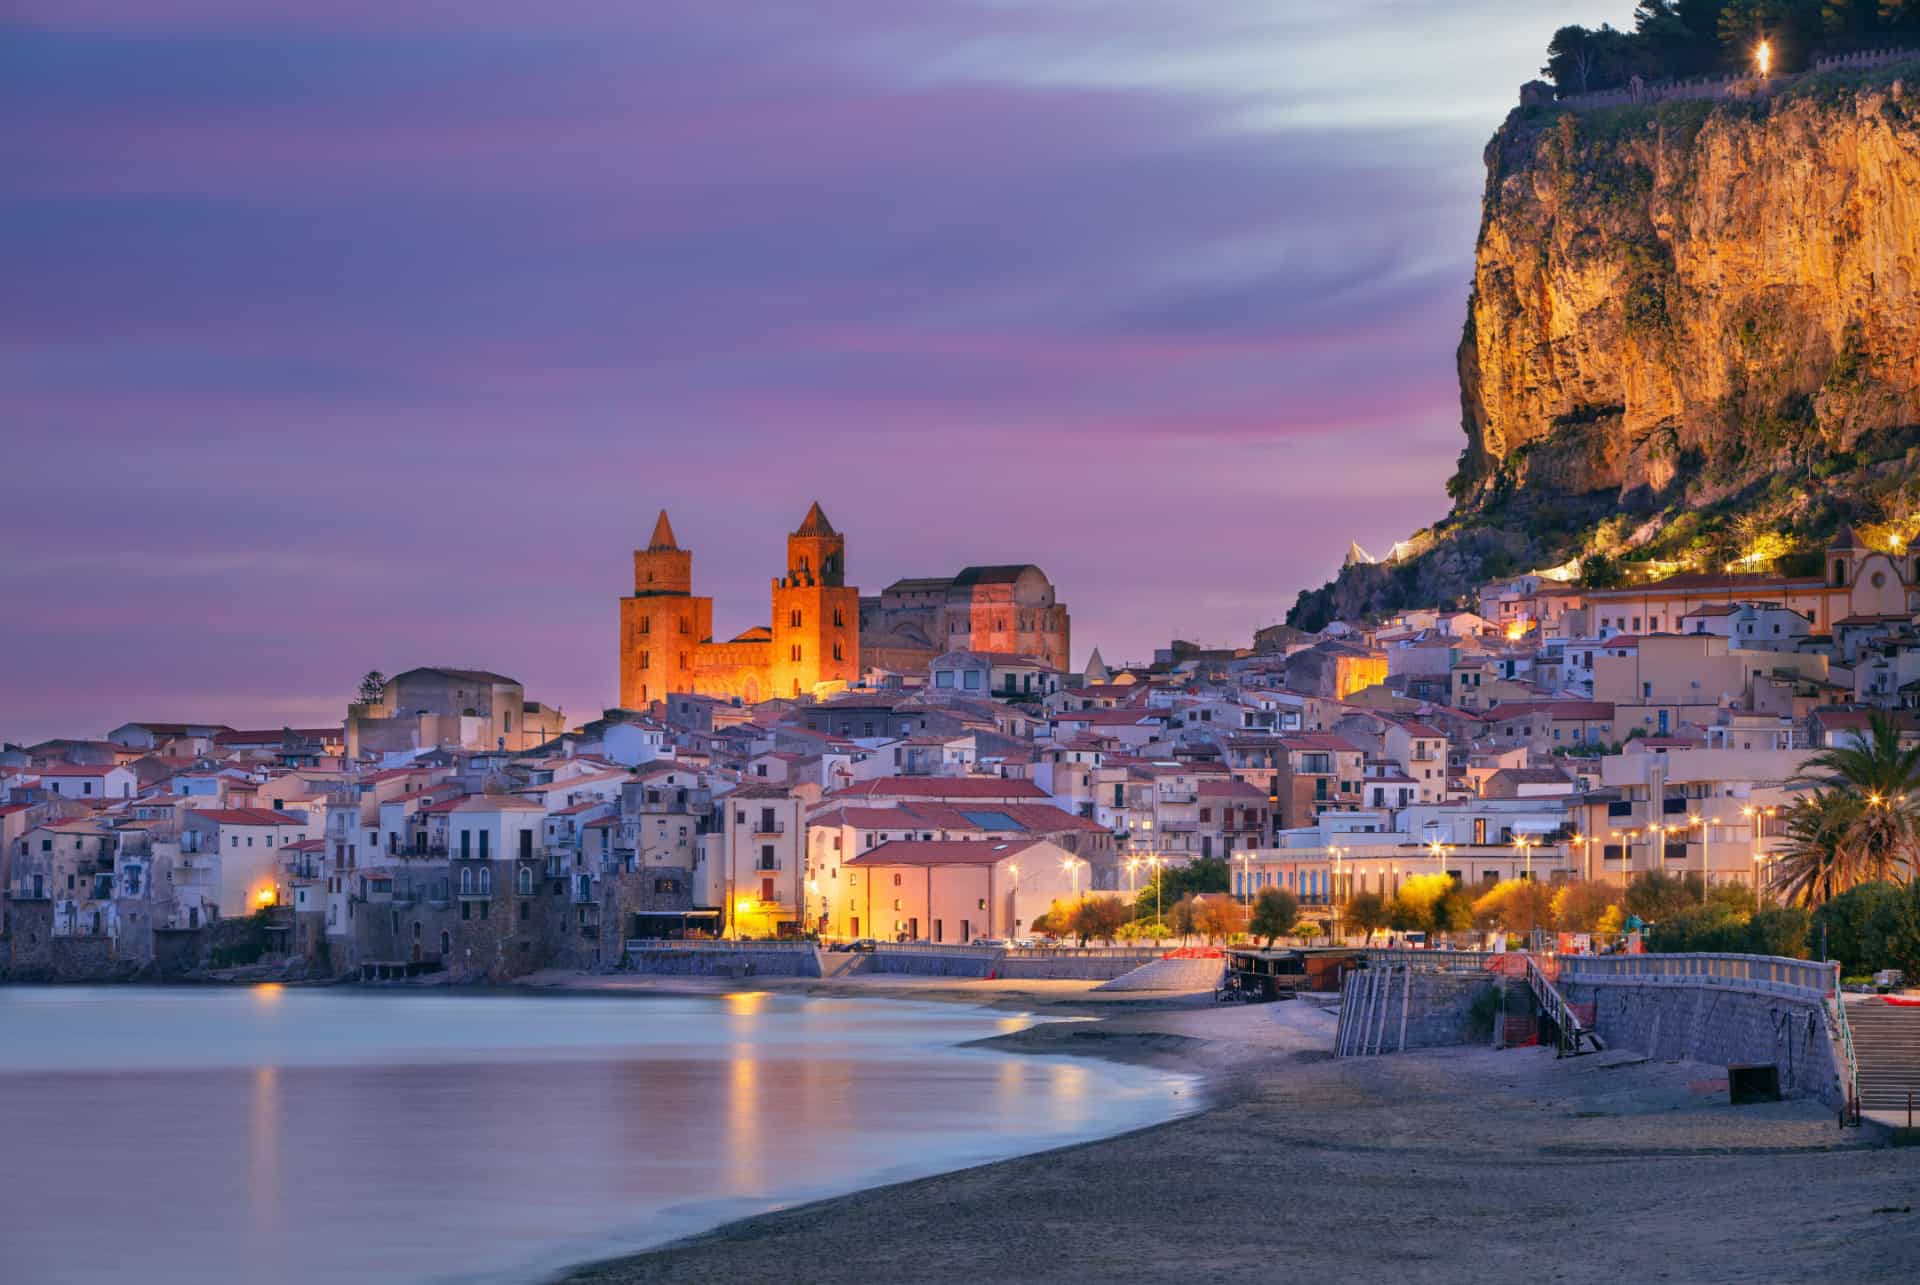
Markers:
<point>1005,609</point>
<point>810,647</point>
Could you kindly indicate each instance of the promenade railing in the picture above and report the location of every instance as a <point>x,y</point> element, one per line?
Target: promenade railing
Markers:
<point>1775,974</point>
<point>1433,961</point>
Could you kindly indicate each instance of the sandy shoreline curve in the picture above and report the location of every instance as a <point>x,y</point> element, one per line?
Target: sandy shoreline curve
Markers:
<point>1456,1165</point>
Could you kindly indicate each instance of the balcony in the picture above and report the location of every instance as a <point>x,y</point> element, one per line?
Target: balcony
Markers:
<point>768,829</point>
<point>765,867</point>
<point>582,896</point>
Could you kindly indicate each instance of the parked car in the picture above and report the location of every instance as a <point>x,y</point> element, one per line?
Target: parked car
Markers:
<point>994,943</point>
<point>861,946</point>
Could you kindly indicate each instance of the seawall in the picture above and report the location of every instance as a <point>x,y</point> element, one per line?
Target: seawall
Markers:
<point>1719,1024</point>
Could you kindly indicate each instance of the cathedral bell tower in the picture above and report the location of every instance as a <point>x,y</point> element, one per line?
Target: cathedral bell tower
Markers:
<point>661,623</point>
<point>816,617</point>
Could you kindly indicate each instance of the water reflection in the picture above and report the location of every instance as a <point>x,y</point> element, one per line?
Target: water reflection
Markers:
<point>374,1131</point>
<point>263,1155</point>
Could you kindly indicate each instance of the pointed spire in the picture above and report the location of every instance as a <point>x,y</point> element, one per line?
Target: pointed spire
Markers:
<point>662,534</point>
<point>815,523</point>
<point>1096,671</point>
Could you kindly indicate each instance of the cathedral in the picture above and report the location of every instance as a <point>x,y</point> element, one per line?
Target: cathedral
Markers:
<point>811,648</point>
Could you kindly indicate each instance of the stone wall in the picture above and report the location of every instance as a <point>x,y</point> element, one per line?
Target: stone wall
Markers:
<point>933,963</point>
<point>1092,968</point>
<point>1436,1008</point>
<point>1721,1025</point>
<point>31,937</point>
<point>723,961</point>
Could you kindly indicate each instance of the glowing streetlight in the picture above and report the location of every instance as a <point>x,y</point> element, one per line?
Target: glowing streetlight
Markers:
<point>1072,866</point>
<point>1246,877</point>
<point>1695,820</point>
<point>1763,58</point>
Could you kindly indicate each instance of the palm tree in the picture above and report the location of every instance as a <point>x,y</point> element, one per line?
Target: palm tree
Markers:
<point>1878,768</point>
<point>1861,823</point>
<point>1818,862</point>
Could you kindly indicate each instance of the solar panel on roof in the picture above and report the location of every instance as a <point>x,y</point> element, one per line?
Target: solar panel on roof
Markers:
<point>992,820</point>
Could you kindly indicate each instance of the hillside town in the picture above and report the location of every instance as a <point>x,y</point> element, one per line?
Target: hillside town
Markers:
<point>919,766</point>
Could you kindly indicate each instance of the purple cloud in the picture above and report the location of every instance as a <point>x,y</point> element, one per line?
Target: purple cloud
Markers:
<point>359,335</point>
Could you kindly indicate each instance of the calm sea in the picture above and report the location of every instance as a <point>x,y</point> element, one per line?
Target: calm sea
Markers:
<point>275,1135</point>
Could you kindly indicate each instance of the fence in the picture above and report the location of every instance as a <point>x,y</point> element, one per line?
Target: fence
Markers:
<point>697,944</point>
<point>1433,961</point>
<point>1730,86</point>
<point>1799,978</point>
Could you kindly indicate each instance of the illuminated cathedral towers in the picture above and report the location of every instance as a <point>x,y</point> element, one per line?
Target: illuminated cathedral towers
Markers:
<point>812,646</point>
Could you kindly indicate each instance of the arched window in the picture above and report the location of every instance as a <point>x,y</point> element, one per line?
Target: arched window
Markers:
<point>526,881</point>
<point>486,879</point>
<point>466,879</point>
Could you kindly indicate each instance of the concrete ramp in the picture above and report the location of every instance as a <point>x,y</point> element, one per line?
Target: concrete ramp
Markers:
<point>1170,975</point>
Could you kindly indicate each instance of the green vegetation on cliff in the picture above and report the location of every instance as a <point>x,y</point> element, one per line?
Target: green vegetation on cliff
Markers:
<point>1690,343</point>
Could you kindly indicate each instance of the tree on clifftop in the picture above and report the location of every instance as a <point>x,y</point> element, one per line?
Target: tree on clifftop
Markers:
<point>372,683</point>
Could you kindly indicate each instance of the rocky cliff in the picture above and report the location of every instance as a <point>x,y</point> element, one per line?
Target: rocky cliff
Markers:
<point>1693,333</point>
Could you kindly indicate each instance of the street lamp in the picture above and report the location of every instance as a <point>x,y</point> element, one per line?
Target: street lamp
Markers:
<point>1586,854</point>
<point>1695,821</point>
<point>1334,892</point>
<point>1072,866</point>
<point>1246,877</point>
<point>1156,862</point>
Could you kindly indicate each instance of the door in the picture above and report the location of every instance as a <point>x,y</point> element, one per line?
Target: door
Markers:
<point>913,929</point>
<point>966,931</point>
<point>526,845</point>
<point>1663,722</point>
<point>939,927</point>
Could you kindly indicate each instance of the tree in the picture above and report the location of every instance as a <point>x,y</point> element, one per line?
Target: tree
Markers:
<point>1451,912</point>
<point>1202,874</point>
<point>372,684</point>
<point>1100,917</point>
<point>1366,911</point>
<point>1515,906</point>
<point>1056,920</point>
<point>1657,896</point>
<point>1578,905</point>
<point>1600,571</point>
<point>1181,918</point>
<point>1275,912</point>
<point>1857,924</point>
<point>1217,917</point>
<point>1779,930</point>
<point>1860,824</point>
<point>1412,908</point>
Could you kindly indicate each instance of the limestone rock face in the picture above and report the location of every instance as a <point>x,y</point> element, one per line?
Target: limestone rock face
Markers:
<point>1705,282</point>
<point>1684,317</point>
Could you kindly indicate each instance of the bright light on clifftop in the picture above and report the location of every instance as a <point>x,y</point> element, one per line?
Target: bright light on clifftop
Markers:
<point>1763,57</point>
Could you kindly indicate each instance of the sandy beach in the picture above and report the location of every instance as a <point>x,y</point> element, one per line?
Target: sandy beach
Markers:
<point>1457,1165</point>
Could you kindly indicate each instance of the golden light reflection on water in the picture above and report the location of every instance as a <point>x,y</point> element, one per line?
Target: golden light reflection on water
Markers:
<point>263,1152</point>
<point>744,1003</point>
<point>743,1118</point>
<point>1069,1081</point>
<point>268,993</point>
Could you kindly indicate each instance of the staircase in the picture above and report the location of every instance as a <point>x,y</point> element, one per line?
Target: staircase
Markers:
<point>1886,1044</point>
<point>1574,1022</point>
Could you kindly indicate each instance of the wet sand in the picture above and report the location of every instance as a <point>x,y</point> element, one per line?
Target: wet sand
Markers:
<point>1456,1165</point>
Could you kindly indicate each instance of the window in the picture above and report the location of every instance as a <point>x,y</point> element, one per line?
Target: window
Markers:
<point>896,883</point>
<point>646,660</point>
<point>525,884</point>
<point>793,619</point>
<point>838,622</point>
<point>646,625</point>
